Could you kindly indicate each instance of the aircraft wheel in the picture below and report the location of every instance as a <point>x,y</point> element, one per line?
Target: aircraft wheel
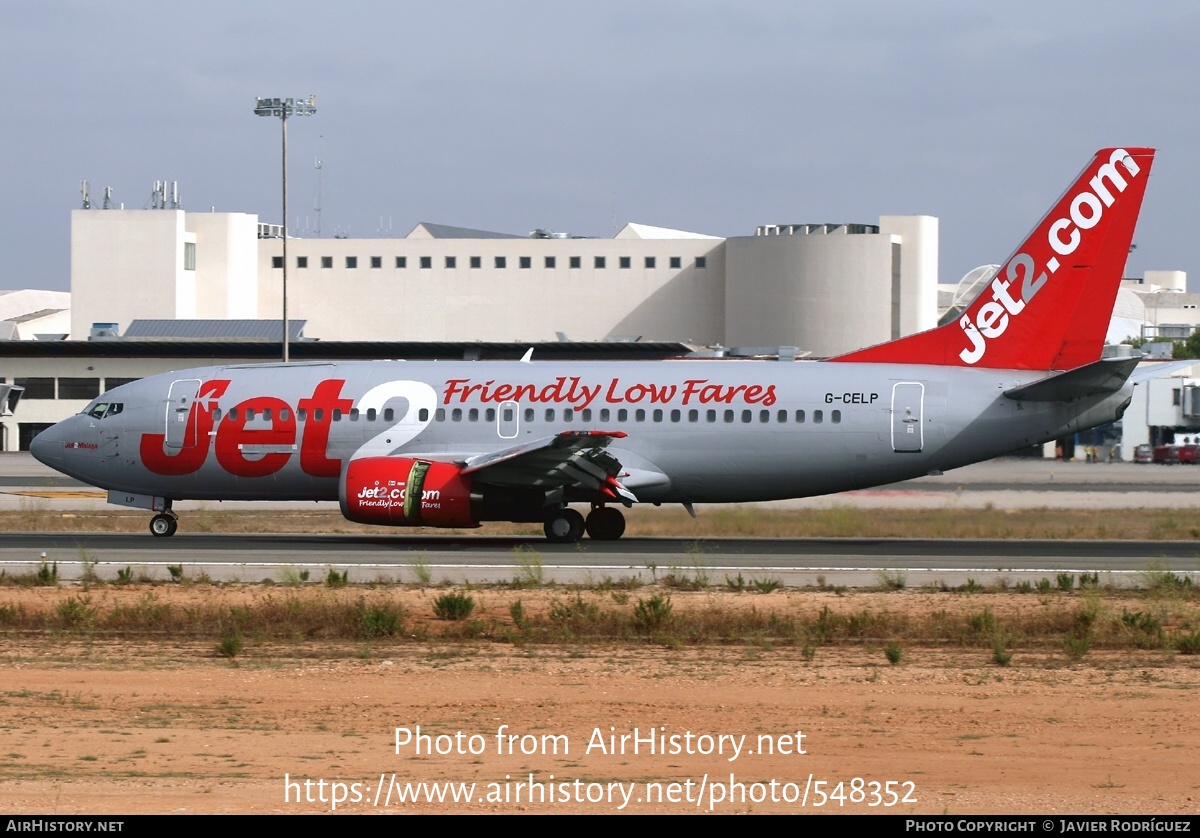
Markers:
<point>564,526</point>
<point>163,525</point>
<point>605,523</point>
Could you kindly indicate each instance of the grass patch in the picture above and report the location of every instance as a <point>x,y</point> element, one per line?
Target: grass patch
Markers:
<point>420,569</point>
<point>454,606</point>
<point>1107,619</point>
<point>231,645</point>
<point>530,573</point>
<point>653,613</point>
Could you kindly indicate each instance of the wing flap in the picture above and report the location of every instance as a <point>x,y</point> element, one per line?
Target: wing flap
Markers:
<point>571,458</point>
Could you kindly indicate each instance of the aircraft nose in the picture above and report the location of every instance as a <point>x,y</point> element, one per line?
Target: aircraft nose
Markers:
<point>47,447</point>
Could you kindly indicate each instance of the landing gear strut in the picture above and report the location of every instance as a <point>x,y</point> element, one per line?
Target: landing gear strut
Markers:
<point>605,523</point>
<point>564,526</point>
<point>164,524</point>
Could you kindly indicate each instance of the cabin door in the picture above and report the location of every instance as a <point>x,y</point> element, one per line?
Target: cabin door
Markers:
<point>908,403</point>
<point>180,432</point>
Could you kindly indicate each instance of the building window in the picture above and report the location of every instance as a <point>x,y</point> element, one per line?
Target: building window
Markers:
<point>351,262</point>
<point>401,261</point>
<point>451,261</point>
<point>111,382</point>
<point>476,261</point>
<point>576,262</point>
<point>551,263</point>
<point>501,262</point>
<point>625,262</point>
<point>650,261</point>
<point>676,262</point>
<point>701,261</point>
<point>525,262</point>
<point>376,262</point>
<point>599,262</point>
<point>276,261</point>
<point>189,256</point>
<point>426,262</point>
<point>36,388</point>
<point>326,261</point>
<point>301,261</point>
<point>78,388</point>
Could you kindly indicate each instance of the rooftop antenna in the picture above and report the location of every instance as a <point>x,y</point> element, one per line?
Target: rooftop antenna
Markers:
<point>83,190</point>
<point>158,195</point>
<point>174,194</point>
<point>108,197</point>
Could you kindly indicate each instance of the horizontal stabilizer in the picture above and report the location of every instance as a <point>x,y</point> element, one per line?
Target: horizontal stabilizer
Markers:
<point>1157,369</point>
<point>1105,376</point>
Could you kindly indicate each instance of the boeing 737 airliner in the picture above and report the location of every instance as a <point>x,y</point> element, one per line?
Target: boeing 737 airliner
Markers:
<point>454,444</point>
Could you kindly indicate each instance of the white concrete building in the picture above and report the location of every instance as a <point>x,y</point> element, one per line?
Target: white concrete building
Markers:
<point>790,285</point>
<point>34,314</point>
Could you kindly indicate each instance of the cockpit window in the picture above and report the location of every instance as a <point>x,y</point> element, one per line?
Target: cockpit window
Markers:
<point>102,409</point>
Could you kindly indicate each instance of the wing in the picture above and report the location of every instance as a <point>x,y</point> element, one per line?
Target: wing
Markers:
<point>571,459</point>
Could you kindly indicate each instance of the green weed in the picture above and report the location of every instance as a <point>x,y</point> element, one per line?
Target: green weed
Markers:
<point>453,606</point>
<point>652,613</point>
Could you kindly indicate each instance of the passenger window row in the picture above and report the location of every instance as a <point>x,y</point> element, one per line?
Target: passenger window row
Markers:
<point>549,415</point>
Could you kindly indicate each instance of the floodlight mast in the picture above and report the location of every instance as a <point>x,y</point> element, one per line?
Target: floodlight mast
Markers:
<point>283,108</point>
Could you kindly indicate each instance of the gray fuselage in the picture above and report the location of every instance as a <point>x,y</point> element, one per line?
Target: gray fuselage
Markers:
<point>695,431</point>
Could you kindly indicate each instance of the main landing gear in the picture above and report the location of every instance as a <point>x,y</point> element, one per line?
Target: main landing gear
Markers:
<point>605,523</point>
<point>565,526</point>
<point>164,523</point>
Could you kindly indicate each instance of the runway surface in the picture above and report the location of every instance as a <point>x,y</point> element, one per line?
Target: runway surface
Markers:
<point>478,559</point>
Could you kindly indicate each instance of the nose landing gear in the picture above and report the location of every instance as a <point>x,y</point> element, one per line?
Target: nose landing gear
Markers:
<point>164,524</point>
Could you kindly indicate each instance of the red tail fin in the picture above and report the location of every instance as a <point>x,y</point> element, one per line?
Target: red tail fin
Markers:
<point>1049,305</point>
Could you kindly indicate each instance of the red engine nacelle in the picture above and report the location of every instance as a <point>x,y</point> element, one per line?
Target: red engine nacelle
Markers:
<point>399,491</point>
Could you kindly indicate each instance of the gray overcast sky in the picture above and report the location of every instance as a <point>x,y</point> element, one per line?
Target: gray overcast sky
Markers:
<point>579,116</point>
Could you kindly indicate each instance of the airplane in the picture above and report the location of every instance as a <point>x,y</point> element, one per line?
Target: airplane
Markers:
<point>457,444</point>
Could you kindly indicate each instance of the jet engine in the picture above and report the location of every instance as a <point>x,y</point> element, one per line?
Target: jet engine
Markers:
<point>399,491</point>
